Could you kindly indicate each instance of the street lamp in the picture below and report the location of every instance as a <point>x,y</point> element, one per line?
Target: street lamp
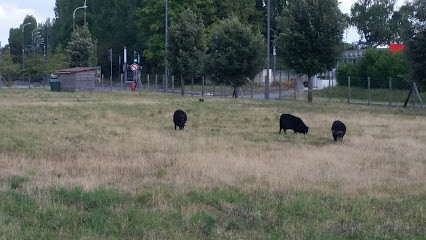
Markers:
<point>85,12</point>
<point>73,15</point>
<point>166,67</point>
<point>23,26</point>
<point>268,46</point>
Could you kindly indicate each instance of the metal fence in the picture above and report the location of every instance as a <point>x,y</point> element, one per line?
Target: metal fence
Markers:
<point>356,90</point>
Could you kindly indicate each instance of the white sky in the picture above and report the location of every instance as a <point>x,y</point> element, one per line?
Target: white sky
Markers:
<point>13,12</point>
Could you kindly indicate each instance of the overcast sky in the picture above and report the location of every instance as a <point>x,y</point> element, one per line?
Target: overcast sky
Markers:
<point>13,12</point>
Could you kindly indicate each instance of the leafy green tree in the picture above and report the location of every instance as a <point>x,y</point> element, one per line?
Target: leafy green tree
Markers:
<point>9,69</point>
<point>236,53</point>
<point>310,39</point>
<point>373,20</point>
<point>416,45</point>
<point>57,60</point>
<point>187,45</point>
<point>81,50</point>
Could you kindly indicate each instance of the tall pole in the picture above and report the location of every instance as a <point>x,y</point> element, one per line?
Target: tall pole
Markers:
<point>73,16</point>
<point>0,63</point>
<point>23,27</point>
<point>44,65</point>
<point>268,46</point>
<point>166,67</point>
<point>85,12</point>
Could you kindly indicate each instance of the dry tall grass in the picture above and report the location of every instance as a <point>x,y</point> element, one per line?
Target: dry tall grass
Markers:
<point>127,140</point>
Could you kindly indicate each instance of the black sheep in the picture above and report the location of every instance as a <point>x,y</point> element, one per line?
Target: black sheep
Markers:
<point>179,118</point>
<point>338,129</point>
<point>288,121</point>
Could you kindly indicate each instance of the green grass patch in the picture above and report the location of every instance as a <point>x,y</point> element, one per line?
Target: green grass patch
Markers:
<point>221,213</point>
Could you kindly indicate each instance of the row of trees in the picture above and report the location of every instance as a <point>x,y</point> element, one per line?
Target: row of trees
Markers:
<point>307,34</point>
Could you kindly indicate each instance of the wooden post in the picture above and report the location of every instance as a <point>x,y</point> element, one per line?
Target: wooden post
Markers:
<point>202,86</point>
<point>349,89</point>
<point>121,81</point>
<point>102,81</point>
<point>173,84</point>
<point>156,82</point>
<point>329,88</point>
<point>280,86</point>
<point>369,94</point>
<point>147,81</point>
<point>182,86</point>
<point>192,86</point>
<point>251,88</point>
<point>295,87</point>
<point>390,91</point>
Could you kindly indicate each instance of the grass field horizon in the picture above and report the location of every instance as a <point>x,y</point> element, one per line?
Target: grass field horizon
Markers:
<point>114,150</point>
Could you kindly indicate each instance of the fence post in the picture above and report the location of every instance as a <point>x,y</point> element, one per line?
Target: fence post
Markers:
<point>369,95</point>
<point>221,90</point>
<point>192,86</point>
<point>202,86</point>
<point>390,91</point>
<point>156,82</point>
<point>349,89</point>
<point>329,88</point>
<point>182,87</point>
<point>251,88</point>
<point>121,81</point>
<point>102,81</point>
<point>147,81</point>
<point>295,86</point>
<point>173,84</point>
<point>280,86</point>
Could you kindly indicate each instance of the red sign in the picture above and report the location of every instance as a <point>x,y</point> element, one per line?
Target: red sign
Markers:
<point>396,47</point>
<point>134,67</point>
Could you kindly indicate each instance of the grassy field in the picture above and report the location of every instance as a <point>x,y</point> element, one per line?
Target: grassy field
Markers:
<point>109,165</point>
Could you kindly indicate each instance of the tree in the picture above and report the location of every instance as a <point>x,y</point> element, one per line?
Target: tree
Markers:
<point>57,60</point>
<point>8,67</point>
<point>373,20</point>
<point>416,45</point>
<point>236,54</point>
<point>310,38</point>
<point>81,50</point>
<point>187,45</point>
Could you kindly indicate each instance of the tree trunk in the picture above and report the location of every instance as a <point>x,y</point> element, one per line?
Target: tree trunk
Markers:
<point>310,89</point>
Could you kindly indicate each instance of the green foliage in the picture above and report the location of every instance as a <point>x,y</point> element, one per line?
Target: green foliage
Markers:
<point>373,20</point>
<point>236,53</point>
<point>343,72</point>
<point>57,60</point>
<point>81,50</point>
<point>310,36</point>
<point>187,45</point>
<point>379,65</point>
<point>8,67</point>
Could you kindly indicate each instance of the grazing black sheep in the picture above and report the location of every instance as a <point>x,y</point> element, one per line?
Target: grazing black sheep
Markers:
<point>288,121</point>
<point>179,118</point>
<point>338,129</point>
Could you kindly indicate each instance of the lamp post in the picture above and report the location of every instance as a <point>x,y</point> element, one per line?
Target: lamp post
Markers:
<point>166,67</point>
<point>73,16</point>
<point>85,12</point>
<point>268,46</point>
<point>23,26</point>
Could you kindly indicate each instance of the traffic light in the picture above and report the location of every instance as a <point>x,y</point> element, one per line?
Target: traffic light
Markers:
<point>135,57</point>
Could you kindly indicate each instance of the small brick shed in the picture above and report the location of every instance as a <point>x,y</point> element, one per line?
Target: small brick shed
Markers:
<point>78,79</point>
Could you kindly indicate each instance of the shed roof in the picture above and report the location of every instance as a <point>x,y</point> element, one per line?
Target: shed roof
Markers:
<point>75,70</point>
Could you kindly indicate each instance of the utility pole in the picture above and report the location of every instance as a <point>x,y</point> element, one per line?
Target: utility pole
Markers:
<point>85,12</point>
<point>268,46</point>
<point>23,51</point>
<point>1,77</point>
<point>166,71</point>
